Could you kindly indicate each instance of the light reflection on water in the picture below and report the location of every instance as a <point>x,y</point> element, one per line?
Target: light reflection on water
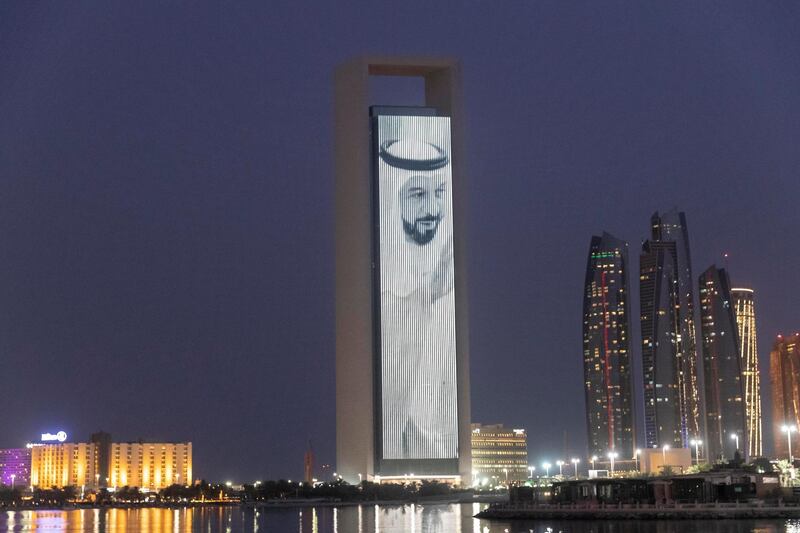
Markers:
<point>416,518</point>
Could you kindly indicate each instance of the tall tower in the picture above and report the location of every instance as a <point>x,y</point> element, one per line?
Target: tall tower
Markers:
<point>402,352</point>
<point>784,375</point>
<point>669,352</point>
<point>745,309</point>
<point>722,370</point>
<point>606,349</point>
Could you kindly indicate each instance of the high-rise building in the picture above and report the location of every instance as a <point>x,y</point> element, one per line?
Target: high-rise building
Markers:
<point>402,372</point>
<point>745,309</point>
<point>669,353</point>
<point>15,467</point>
<point>499,454</point>
<point>784,375</point>
<point>607,378</point>
<point>722,370</point>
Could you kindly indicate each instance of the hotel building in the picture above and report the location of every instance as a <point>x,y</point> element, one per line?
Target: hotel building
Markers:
<point>499,454</point>
<point>606,348</point>
<point>64,465</point>
<point>147,465</point>
<point>150,465</point>
<point>745,309</point>
<point>722,371</point>
<point>784,375</point>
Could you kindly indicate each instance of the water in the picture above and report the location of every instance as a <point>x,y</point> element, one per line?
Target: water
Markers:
<point>440,518</point>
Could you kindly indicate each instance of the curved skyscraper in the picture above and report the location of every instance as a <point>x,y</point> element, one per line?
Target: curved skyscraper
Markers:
<point>606,348</point>
<point>745,309</point>
<point>669,351</point>
<point>722,371</point>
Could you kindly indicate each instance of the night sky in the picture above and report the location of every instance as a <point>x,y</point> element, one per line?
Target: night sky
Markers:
<point>166,201</point>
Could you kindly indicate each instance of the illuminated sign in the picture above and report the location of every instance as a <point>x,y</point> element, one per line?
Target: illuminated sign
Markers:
<point>61,436</point>
<point>418,417</point>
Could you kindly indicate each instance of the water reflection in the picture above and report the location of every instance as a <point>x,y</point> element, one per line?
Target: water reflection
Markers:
<point>416,518</point>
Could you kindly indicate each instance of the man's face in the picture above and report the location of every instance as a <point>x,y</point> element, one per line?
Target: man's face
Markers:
<point>421,206</point>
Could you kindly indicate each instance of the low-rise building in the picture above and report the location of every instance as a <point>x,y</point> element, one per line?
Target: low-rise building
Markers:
<point>150,465</point>
<point>499,454</point>
<point>655,460</point>
<point>102,463</point>
<point>15,467</point>
<point>64,464</point>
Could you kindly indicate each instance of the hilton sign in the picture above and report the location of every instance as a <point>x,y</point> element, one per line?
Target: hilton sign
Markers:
<point>61,436</point>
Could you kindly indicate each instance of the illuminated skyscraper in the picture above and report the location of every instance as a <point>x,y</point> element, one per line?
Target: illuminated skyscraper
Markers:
<point>606,350</point>
<point>669,352</point>
<point>722,370</point>
<point>744,307</point>
<point>402,343</point>
<point>784,375</point>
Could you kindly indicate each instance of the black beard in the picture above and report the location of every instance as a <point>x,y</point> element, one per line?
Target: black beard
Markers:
<point>421,237</point>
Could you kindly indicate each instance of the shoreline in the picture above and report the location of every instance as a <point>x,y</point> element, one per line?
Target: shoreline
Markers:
<point>270,504</point>
<point>642,512</point>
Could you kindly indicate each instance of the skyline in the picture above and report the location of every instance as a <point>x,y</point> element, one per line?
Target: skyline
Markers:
<point>166,203</point>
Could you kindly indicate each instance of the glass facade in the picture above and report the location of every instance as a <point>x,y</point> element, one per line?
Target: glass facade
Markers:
<point>722,370</point>
<point>669,351</point>
<point>606,351</point>
<point>745,310</point>
<point>15,467</point>
<point>784,375</point>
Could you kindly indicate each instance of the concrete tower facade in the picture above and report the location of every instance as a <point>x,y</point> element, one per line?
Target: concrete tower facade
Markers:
<point>377,378</point>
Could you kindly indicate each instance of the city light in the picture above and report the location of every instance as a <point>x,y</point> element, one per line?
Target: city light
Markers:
<point>593,459</point>
<point>789,430</point>
<point>560,468</point>
<point>531,469</point>
<point>546,467</point>
<point>735,437</point>
<point>664,454</point>
<point>611,456</point>
<point>575,462</point>
<point>696,443</point>
<point>636,455</point>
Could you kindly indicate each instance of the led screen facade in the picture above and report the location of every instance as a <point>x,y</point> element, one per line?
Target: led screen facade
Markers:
<point>417,387</point>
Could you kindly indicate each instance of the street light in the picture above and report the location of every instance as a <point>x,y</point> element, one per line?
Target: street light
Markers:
<point>575,462</point>
<point>636,455</point>
<point>546,467</point>
<point>593,459</point>
<point>696,443</point>
<point>560,468</point>
<point>12,480</point>
<point>506,472</point>
<point>664,454</point>
<point>612,456</point>
<point>735,437</point>
<point>531,470</point>
<point>789,430</point>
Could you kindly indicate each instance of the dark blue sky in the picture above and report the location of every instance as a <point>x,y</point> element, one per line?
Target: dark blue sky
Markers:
<point>166,200</point>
